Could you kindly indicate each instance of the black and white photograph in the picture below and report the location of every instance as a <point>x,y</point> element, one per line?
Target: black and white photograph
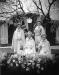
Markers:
<point>29,37</point>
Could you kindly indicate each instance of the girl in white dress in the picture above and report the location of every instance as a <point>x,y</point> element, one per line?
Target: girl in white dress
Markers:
<point>44,48</point>
<point>18,40</point>
<point>30,44</point>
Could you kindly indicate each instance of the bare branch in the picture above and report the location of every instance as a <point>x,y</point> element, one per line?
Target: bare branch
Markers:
<point>49,2</point>
<point>46,7</point>
<point>40,8</point>
<point>21,6</point>
<point>36,5</point>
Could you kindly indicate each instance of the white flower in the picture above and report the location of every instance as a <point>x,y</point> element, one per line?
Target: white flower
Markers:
<point>15,56</point>
<point>27,69</point>
<point>19,61</point>
<point>13,60</point>
<point>39,59</point>
<point>38,65</point>
<point>42,68</point>
<point>11,64</point>
<point>8,61</point>
<point>17,65</point>
<point>29,64</point>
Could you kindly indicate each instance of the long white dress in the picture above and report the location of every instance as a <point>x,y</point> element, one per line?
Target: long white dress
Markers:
<point>39,31</point>
<point>29,46</point>
<point>18,40</point>
<point>45,48</point>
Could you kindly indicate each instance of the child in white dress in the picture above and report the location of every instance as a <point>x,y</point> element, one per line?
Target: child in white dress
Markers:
<point>30,44</point>
<point>44,48</point>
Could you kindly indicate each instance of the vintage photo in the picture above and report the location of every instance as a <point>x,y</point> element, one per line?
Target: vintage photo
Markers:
<point>29,37</point>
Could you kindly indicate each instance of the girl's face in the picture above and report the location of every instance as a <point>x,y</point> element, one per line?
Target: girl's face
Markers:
<point>29,34</point>
<point>19,27</point>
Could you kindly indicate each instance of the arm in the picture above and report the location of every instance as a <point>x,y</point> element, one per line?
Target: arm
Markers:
<point>23,37</point>
<point>42,31</point>
<point>14,42</point>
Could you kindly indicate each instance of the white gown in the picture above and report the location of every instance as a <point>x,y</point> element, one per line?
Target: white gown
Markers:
<point>18,40</point>
<point>39,31</point>
<point>29,46</point>
<point>45,49</point>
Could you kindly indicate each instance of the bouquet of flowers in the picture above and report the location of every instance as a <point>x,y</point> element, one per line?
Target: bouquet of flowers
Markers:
<point>27,62</point>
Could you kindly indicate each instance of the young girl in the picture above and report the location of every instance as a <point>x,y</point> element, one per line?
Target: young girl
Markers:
<point>30,44</point>
<point>44,48</point>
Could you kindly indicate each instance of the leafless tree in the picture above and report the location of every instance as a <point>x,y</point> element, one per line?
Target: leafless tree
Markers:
<point>50,3</point>
<point>47,20</point>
